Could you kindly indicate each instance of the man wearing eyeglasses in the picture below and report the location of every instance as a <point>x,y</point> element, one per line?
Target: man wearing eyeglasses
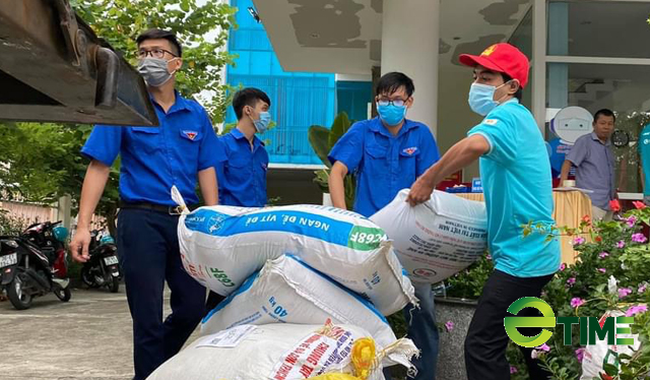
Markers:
<point>387,154</point>
<point>182,149</point>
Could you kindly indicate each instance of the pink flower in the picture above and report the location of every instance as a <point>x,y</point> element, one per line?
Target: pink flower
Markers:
<point>636,310</point>
<point>639,238</point>
<point>562,267</point>
<point>580,353</point>
<point>620,244</point>
<point>614,205</point>
<point>603,254</point>
<point>624,292</point>
<point>449,326</point>
<point>638,205</point>
<point>631,221</point>
<point>513,369</point>
<point>544,347</point>
<point>602,270</point>
<point>571,281</point>
<point>642,288</point>
<point>534,354</point>
<point>577,302</point>
<point>489,257</point>
<point>578,240</point>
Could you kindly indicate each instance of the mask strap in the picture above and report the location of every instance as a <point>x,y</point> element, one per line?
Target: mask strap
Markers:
<point>498,87</point>
<point>250,115</point>
<point>173,72</point>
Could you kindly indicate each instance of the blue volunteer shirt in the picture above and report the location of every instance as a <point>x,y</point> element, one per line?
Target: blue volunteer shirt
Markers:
<point>242,176</point>
<point>644,153</point>
<point>516,175</point>
<point>153,159</point>
<point>384,164</point>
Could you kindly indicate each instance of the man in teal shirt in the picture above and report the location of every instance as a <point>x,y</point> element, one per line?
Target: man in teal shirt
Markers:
<point>516,176</point>
<point>644,153</point>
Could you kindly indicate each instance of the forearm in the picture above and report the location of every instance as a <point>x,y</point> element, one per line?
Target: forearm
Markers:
<point>91,191</point>
<point>337,189</point>
<point>642,178</point>
<point>209,186</point>
<point>457,157</point>
<point>564,174</point>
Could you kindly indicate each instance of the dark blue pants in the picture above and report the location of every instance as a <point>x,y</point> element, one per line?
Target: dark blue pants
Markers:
<point>149,256</point>
<point>422,329</point>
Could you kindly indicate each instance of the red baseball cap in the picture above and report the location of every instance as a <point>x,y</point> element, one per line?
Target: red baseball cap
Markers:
<point>502,58</point>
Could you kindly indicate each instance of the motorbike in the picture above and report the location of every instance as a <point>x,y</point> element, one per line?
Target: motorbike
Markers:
<point>34,264</point>
<point>102,269</point>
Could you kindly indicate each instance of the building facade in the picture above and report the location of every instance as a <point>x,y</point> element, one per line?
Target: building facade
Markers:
<point>588,53</point>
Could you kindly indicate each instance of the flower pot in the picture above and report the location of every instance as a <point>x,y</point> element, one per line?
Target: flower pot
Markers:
<point>451,353</point>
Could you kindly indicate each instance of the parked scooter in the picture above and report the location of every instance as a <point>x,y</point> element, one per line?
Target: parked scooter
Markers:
<point>102,269</point>
<point>34,264</point>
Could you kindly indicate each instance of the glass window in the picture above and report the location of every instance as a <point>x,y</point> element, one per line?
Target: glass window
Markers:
<point>599,29</point>
<point>621,88</point>
<point>522,38</point>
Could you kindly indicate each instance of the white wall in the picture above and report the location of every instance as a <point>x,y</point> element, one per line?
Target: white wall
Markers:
<point>455,118</point>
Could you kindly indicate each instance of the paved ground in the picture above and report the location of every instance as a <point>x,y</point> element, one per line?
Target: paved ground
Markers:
<point>87,338</point>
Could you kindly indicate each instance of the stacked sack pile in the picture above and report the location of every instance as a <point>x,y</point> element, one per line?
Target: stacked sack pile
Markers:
<point>308,287</point>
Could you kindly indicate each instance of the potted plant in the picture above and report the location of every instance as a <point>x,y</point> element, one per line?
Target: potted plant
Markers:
<point>612,273</point>
<point>322,141</point>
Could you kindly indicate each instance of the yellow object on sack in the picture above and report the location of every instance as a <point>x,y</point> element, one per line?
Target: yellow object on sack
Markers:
<point>363,360</point>
<point>335,376</point>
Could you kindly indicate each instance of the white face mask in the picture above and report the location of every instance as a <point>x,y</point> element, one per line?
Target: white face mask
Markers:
<point>481,98</point>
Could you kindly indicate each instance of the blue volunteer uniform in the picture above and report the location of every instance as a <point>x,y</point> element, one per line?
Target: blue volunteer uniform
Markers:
<point>242,175</point>
<point>515,175</point>
<point>153,159</point>
<point>644,153</point>
<point>383,165</point>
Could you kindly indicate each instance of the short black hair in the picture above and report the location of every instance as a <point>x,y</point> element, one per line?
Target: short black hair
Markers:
<point>391,82</point>
<point>248,97</point>
<point>604,112</point>
<point>520,91</point>
<point>157,34</point>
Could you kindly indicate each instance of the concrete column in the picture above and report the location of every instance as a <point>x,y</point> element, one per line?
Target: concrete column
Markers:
<point>557,88</point>
<point>64,211</point>
<point>539,63</point>
<point>410,40</point>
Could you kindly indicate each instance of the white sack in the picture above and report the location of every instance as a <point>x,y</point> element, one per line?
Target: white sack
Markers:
<point>286,290</point>
<point>596,356</point>
<point>277,351</point>
<point>436,239</point>
<point>221,246</point>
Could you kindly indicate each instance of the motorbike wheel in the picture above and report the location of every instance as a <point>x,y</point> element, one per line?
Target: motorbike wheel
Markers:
<point>115,285</point>
<point>87,278</point>
<point>64,294</point>
<point>19,299</point>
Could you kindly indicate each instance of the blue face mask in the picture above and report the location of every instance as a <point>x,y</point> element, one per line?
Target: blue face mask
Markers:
<point>391,114</point>
<point>481,98</point>
<point>262,124</point>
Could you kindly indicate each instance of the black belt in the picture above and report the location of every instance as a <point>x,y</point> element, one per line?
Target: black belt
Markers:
<point>170,210</point>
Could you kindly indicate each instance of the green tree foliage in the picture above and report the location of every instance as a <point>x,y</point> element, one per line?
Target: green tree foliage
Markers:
<point>41,162</point>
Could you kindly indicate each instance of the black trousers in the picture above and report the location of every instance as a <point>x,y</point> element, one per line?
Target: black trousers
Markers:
<point>149,255</point>
<point>213,300</point>
<point>487,341</point>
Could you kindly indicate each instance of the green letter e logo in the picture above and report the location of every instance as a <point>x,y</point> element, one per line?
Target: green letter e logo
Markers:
<point>512,323</point>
